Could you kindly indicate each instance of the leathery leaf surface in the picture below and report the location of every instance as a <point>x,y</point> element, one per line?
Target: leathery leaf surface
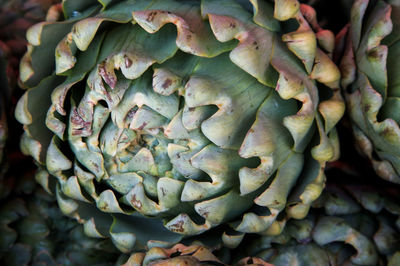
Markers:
<point>160,120</point>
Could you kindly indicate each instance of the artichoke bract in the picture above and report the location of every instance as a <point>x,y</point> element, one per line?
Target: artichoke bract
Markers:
<point>153,121</point>
<point>185,255</point>
<point>177,255</point>
<point>370,78</point>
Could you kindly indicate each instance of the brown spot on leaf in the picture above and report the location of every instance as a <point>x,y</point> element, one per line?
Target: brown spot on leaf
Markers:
<point>103,206</point>
<point>96,166</point>
<point>128,62</point>
<point>135,202</point>
<point>387,131</point>
<point>151,16</point>
<point>131,114</point>
<point>232,25</point>
<point>166,83</point>
<point>142,126</point>
<point>375,54</point>
<point>203,212</point>
<point>78,123</point>
<point>178,227</point>
<point>191,109</point>
<point>163,192</point>
<point>77,132</point>
<point>188,37</point>
<point>107,76</point>
<point>256,45</point>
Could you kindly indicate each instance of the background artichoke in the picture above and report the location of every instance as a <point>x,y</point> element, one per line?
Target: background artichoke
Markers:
<point>16,17</point>
<point>371,81</point>
<point>33,231</point>
<point>4,91</point>
<point>160,120</point>
<point>350,224</point>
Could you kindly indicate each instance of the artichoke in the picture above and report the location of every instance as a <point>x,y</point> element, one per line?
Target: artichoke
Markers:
<point>371,82</point>
<point>155,121</point>
<point>348,225</point>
